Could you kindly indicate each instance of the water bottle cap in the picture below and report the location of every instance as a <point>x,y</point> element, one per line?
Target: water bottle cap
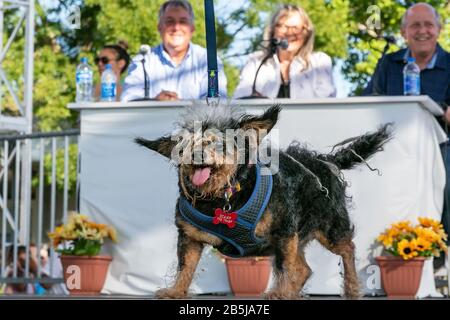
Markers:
<point>84,60</point>
<point>411,59</point>
<point>108,66</point>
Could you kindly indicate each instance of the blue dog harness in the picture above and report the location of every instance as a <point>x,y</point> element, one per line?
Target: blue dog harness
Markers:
<point>239,241</point>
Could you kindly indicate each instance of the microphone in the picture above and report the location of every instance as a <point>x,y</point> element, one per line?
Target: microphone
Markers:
<point>275,43</point>
<point>282,43</point>
<point>390,39</point>
<point>371,32</point>
<point>143,51</point>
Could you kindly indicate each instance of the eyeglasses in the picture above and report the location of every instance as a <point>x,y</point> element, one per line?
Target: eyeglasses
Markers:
<point>104,60</point>
<point>284,28</point>
<point>170,22</point>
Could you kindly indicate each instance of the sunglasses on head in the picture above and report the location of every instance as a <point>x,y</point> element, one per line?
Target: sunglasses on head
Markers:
<point>104,60</point>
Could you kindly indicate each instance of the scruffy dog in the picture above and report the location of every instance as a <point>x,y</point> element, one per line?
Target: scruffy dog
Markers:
<point>226,200</point>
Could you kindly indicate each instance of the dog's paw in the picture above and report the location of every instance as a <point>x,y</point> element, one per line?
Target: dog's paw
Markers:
<point>170,293</point>
<point>278,295</point>
<point>353,296</point>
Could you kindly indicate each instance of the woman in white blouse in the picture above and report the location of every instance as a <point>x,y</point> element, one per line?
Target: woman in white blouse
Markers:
<point>292,72</point>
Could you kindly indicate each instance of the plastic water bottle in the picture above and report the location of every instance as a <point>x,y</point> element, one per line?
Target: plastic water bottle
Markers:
<point>411,78</point>
<point>84,79</point>
<point>108,84</point>
<point>38,289</point>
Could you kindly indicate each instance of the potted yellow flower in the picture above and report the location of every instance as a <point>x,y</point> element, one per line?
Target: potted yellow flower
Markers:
<point>409,246</point>
<point>79,242</point>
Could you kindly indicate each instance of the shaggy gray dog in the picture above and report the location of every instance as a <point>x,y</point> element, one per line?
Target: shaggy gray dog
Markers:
<point>230,205</point>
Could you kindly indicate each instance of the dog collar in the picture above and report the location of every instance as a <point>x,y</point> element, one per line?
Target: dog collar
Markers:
<point>229,191</point>
<point>241,240</point>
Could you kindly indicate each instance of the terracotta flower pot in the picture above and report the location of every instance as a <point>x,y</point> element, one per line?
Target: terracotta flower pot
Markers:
<point>248,277</point>
<point>85,275</point>
<point>400,278</point>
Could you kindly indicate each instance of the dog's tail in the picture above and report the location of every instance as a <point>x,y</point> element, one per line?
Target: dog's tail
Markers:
<point>360,148</point>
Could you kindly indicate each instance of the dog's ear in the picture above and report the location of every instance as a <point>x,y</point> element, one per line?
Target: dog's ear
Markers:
<point>263,123</point>
<point>163,145</point>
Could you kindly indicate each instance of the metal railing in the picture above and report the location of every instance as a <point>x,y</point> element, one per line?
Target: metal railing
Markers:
<point>31,209</point>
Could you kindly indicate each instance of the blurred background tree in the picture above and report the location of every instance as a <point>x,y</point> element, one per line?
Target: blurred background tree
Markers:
<point>341,32</point>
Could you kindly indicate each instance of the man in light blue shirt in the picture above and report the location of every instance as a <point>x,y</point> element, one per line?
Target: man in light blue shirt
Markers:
<point>177,68</point>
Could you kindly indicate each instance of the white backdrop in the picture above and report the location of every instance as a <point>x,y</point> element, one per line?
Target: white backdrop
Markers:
<point>135,189</point>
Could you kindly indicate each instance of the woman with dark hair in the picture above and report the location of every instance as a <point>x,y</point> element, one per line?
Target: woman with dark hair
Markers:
<point>294,71</point>
<point>117,56</point>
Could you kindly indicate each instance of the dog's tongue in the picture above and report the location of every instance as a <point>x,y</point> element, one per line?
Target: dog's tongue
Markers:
<point>200,176</point>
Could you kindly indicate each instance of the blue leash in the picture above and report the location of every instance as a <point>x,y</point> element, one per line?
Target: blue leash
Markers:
<point>211,48</point>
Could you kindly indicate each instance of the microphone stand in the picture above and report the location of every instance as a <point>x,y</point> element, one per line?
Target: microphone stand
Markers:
<point>146,88</point>
<point>376,91</point>
<point>255,94</point>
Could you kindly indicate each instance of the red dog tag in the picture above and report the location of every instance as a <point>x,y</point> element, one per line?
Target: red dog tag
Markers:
<point>228,218</point>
